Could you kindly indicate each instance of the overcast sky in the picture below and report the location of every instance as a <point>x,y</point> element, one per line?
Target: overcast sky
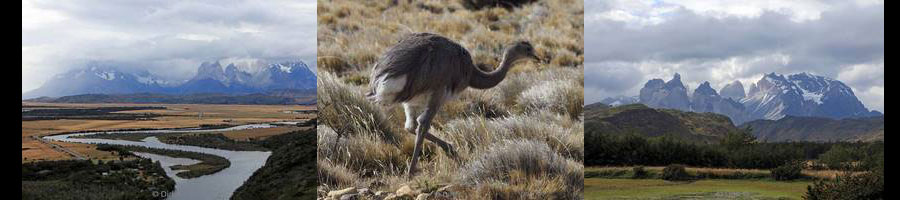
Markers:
<point>166,37</point>
<point>628,42</point>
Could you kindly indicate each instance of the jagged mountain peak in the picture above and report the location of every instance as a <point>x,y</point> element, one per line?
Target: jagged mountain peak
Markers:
<point>705,89</point>
<point>773,96</point>
<point>733,90</point>
<point>675,82</point>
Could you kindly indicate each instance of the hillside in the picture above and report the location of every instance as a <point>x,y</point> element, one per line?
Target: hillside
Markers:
<point>642,120</point>
<point>818,129</point>
<point>289,173</point>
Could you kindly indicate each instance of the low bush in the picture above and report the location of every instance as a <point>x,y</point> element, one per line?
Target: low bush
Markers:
<point>675,172</point>
<point>639,172</point>
<point>869,185</point>
<point>788,171</point>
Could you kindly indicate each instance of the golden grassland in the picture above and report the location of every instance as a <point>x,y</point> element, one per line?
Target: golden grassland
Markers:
<point>258,134</point>
<point>175,116</point>
<point>521,139</point>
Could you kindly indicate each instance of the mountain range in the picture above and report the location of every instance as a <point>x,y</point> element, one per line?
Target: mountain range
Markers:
<point>211,78</point>
<point>773,97</point>
<point>710,127</point>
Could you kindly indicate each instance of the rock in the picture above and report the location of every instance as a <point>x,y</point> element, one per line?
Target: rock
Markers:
<point>364,191</point>
<point>350,197</point>
<point>380,193</point>
<point>423,196</point>
<point>405,190</point>
<point>445,188</point>
<point>341,193</point>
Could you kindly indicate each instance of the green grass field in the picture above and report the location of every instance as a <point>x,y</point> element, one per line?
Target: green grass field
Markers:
<point>598,188</point>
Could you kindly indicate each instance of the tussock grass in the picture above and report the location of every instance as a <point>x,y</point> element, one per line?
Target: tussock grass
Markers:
<point>344,109</point>
<point>475,134</point>
<point>519,161</point>
<point>335,175</point>
<point>364,145</point>
<point>564,97</point>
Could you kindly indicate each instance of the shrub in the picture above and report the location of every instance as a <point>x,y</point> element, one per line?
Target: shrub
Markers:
<point>529,159</point>
<point>675,172</point>
<point>560,96</point>
<point>841,157</point>
<point>639,172</point>
<point>788,171</point>
<point>848,186</point>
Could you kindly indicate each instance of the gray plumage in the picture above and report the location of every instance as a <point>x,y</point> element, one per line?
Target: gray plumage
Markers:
<point>423,70</point>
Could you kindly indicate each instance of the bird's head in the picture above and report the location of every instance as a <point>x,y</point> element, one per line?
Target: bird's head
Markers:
<point>521,50</point>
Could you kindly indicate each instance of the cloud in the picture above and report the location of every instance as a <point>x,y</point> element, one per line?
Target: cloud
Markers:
<point>733,40</point>
<point>169,38</point>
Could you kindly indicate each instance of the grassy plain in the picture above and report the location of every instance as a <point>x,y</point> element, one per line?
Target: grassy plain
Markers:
<point>174,116</point>
<point>598,188</point>
<point>720,183</point>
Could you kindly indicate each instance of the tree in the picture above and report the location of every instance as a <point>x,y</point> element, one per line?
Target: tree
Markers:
<point>739,139</point>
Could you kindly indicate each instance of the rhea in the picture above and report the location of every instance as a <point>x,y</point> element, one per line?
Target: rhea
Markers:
<point>423,71</point>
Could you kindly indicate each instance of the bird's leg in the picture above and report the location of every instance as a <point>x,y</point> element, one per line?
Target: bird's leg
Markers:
<point>424,120</point>
<point>411,112</point>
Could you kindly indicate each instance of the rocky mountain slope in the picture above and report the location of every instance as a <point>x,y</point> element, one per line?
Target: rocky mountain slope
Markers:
<point>773,97</point>
<point>211,77</point>
<point>792,128</point>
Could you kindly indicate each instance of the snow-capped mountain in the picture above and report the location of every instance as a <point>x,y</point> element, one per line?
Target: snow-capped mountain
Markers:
<point>210,78</point>
<point>671,94</point>
<point>773,97</point>
<point>804,94</point>
<point>98,79</point>
<point>619,100</point>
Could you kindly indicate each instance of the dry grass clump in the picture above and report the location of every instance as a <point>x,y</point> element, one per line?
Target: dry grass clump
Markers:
<point>564,97</point>
<point>475,134</point>
<point>345,110</point>
<point>531,167</point>
<point>336,176</point>
<point>374,151</point>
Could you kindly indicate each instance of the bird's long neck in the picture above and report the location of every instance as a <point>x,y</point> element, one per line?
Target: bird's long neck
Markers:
<point>485,80</point>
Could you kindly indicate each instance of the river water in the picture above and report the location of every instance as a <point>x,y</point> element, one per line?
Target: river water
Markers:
<point>214,186</point>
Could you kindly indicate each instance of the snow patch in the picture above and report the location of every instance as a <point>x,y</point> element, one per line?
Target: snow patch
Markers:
<point>809,96</point>
<point>107,75</point>
<point>286,68</point>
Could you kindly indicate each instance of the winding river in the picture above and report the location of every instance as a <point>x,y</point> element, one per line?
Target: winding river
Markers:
<point>214,186</point>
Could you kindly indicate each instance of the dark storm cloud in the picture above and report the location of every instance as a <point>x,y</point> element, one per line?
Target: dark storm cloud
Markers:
<point>170,38</point>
